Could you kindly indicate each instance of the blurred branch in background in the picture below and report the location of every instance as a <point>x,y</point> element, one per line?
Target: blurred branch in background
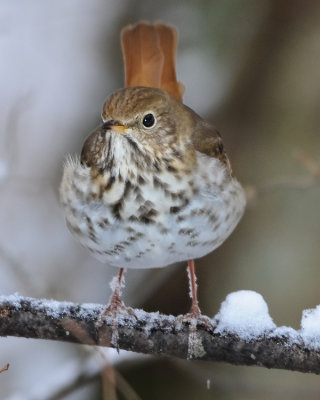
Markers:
<point>247,97</point>
<point>76,374</point>
<point>312,167</point>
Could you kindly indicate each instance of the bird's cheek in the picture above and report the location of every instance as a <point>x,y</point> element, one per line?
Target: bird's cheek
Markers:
<point>135,135</point>
<point>147,141</point>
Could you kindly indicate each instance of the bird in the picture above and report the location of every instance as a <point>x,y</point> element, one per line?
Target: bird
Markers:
<point>153,185</point>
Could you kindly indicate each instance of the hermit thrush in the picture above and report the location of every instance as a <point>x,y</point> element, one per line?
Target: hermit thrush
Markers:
<point>153,185</point>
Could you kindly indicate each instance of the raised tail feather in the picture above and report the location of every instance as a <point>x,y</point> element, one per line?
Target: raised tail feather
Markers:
<point>149,57</point>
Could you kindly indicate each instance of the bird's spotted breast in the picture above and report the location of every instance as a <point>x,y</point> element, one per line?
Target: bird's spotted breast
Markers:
<point>150,220</point>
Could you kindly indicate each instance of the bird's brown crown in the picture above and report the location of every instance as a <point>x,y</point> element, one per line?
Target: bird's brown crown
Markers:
<point>172,121</point>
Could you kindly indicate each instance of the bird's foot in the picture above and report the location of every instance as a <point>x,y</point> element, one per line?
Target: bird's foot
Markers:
<point>194,318</point>
<point>115,308</point>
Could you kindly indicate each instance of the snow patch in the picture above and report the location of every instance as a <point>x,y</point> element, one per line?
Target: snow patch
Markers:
<point>244,313</point>
<point>61,309</point>
<point>290,334</point>
<point>54,308</point>
<point>195,346</point>
<point>89,310</point>
<point>152,320</point>
<point>310,327</point>
<point>14,299</point>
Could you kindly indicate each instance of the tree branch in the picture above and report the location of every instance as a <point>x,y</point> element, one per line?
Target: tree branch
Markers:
<point>151,333</point>
<point>310,181</point>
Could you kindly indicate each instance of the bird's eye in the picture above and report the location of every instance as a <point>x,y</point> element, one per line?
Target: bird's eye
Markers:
<point>148,120</point>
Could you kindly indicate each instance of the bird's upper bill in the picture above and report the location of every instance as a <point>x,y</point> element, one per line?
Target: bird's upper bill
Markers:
<point>116,127</point>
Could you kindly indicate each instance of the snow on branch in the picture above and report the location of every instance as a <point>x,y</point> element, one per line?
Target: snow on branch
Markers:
<point>242,333</point>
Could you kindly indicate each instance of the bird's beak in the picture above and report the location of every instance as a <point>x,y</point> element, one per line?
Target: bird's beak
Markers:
<point>116,126</point>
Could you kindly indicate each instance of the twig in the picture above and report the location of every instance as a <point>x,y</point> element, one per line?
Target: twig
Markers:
<point>5,368</point>
<point>312,180</point>
<point>253,192</point>
<point>150,333</point>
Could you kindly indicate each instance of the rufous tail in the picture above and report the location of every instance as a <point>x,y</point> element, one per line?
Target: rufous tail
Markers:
<point>149,57</point>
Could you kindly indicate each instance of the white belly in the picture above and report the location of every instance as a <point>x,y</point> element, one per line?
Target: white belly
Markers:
<point>215,207</point>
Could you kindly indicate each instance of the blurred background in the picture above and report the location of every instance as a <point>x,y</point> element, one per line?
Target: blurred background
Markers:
<point>252,69</point>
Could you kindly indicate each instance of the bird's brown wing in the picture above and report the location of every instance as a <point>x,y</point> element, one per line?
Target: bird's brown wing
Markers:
<point>207,140</point>
<point>149,57</point>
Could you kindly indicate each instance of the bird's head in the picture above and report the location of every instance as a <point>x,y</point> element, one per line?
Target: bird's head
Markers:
<point>143,125</point>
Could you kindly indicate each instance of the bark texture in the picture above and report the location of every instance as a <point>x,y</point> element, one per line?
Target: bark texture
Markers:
<point>150,333</point>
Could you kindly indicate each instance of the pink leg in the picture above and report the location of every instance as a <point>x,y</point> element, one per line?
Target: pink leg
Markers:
<point>194,310</point>
<point>114,306</point>
<point>194,317</point>
<point>116,301</point>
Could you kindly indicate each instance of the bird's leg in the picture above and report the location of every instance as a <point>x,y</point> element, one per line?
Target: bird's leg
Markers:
<point>194,310</point>
<point>115,304</point>
<point>194,316</point>
<point>115,300</point>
